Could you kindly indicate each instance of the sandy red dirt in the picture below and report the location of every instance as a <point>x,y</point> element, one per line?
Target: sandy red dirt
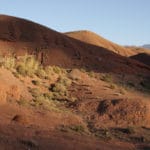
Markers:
<point>137,53</point>
<point>98,103</point>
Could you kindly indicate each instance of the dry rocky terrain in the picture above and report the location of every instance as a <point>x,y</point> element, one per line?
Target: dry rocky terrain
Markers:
<point>57,92</point>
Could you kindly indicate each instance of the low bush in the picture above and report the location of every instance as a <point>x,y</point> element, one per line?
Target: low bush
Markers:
<point>77,128</point>
<point>58,87</point>
<point>64,81</point>
<point>35,92</point>
<point>27,65</point>
<point>36,82</point>
<point>40,72</point>
<point>91,74</point>
<point>21,70</point>
<point>49,95</point>
<point>56,69</point>
<point>9,63</point>
<point>106,78</point>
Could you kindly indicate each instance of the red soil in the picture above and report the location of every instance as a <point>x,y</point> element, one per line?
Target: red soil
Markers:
<point>19,36</point>
<point>94,39</point>
<point>31,128</point>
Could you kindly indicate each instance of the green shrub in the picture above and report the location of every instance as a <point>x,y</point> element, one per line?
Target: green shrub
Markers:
<point>64,81</point>
<point>30,72</point>
<point>30,62</point>
<point>23,102</point>
<point>43,102</point>
<point>49,69</point>
<point>8,62</point>
<point>77,128</point>
<point>56,96</point>
<point>41,73</point>
<point>58,87</point>
<point>36,82</point>
<point>49,95</point>
<point>35,92</point>
<point>112,86</point>
<point>21,70</point>
<point>56,69</point>
<point>27,65</point>
<point>91,74</point>
<point>106,78</point>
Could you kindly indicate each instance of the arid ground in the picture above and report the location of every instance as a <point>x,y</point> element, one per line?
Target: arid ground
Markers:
<point>71,91</point>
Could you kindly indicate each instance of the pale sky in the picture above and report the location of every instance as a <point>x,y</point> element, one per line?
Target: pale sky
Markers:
<point>125,22</point>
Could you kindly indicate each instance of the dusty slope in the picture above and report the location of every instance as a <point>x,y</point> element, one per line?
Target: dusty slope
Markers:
<point>11,88</point>
<point>138,50</point>
<point>98,108</point>
<point>90,115</point>
<point>35,130</point>
<point>18,36</point>
<point>93,38</point>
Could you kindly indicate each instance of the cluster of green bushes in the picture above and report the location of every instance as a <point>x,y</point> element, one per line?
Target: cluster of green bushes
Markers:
<point>43,100</point>
<point>28,66</point>
<point>60,88</point>
<point>57,92</point>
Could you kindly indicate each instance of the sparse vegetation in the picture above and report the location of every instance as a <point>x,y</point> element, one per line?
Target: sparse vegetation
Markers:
<point>27,65</point>
<point>40,72</point>
<point>21,70</point>
<point>103,134</point>
<point>112,86</point>
<point>7,62</point>
<point>76,128</point>
<point>56,95</point>
<point>58,87</point>
<point>43,100</point>
<point>36,82</point>
<point>49,95</point>
<point>57,70</point>
<point>64,81</point>
<point>23,102</point>
<point>91,74</point>
<point>35,92</point>
<point>106,78</point>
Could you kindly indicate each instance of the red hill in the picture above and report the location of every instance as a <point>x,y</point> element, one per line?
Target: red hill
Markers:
<point>19,36</point>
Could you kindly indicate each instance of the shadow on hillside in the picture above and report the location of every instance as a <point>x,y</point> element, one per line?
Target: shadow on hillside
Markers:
<point>142,57</point>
